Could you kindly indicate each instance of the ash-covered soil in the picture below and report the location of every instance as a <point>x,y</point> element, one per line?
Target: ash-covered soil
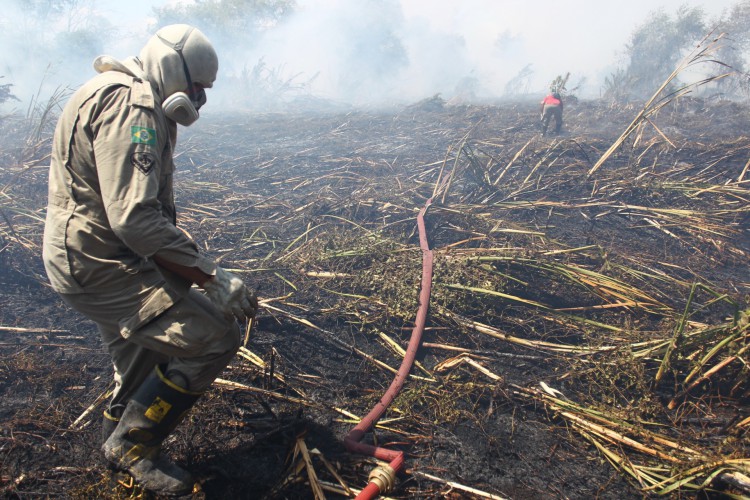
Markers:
<point>318,213</point>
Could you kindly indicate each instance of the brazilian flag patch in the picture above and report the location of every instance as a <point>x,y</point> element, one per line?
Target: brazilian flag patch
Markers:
<point>143,135</point>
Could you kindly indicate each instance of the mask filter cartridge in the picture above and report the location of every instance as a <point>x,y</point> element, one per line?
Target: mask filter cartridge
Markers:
<point>180,108</point>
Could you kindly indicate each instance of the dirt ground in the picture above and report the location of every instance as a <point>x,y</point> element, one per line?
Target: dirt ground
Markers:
<point>318,213</point>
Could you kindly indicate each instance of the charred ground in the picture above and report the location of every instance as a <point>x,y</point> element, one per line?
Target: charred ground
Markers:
<point>545,273</point>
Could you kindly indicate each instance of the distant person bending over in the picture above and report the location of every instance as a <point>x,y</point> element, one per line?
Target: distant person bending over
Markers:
<point>552,106</point>
<point>113,252</point>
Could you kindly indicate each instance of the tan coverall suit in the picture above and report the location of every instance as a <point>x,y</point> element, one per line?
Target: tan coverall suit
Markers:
<point>110,209</point>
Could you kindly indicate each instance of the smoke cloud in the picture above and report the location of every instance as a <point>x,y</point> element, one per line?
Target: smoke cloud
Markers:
<point>358,52</point>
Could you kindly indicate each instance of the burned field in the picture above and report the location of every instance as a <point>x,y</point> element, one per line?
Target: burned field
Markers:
<point>587,332</point>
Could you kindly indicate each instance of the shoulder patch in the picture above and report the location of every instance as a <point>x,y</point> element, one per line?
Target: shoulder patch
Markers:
<point>143,161</point>
<point>143,135</point>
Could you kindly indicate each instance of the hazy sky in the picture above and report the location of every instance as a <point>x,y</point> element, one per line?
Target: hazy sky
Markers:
<point>584,37</point>
<point>581,36</point>
<point>489,41</point>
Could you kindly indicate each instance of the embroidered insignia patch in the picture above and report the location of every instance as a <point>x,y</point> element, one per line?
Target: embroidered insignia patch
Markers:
<point>143,135</point>
<point>143,161</point>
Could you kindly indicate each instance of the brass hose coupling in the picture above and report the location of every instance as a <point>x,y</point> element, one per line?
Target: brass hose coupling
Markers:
<point>384,477</point>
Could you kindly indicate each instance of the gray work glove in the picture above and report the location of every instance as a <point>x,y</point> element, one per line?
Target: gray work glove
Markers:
<point>230,295</point>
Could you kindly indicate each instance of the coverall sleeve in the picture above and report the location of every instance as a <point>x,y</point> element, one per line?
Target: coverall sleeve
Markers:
<point>127,148</point>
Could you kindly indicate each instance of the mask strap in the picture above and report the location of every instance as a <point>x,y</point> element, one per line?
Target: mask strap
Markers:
<point>178,48</point>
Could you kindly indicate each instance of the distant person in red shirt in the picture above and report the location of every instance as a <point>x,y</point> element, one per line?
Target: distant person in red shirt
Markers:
<point>552,105</point>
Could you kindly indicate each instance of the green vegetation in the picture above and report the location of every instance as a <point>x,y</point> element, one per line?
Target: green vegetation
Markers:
<point>238,22</point>
<point>5,93</point>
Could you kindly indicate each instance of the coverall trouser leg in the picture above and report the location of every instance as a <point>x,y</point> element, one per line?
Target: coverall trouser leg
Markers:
<point>191,339</point>
<point>551,111</point>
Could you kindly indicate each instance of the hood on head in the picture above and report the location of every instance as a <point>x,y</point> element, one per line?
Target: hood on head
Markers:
<point>163,66</point>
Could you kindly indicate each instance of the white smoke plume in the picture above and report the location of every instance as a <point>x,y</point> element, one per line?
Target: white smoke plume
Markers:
<point>360,52</point>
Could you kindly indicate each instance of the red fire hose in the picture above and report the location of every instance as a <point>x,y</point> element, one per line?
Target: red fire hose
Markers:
<point>383,478</point>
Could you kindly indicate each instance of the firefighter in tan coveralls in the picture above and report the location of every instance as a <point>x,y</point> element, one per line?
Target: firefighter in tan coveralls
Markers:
<point>113,252</point>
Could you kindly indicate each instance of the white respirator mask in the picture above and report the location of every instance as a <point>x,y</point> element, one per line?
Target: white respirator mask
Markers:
<point>183,110</point>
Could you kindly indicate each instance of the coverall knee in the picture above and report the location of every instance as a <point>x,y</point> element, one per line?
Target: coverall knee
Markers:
<point>190,338</point>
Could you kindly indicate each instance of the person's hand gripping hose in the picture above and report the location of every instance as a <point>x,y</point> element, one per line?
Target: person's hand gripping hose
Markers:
<point>230,295</point>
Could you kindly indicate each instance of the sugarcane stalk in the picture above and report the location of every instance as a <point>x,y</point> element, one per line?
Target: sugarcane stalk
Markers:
<point>666,360</point>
